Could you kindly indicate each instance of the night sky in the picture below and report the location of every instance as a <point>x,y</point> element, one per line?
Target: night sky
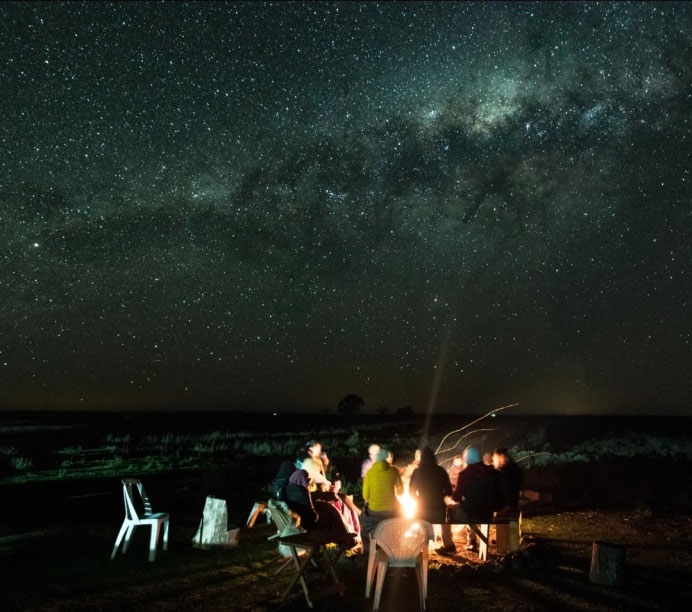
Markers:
<point>270,206</point>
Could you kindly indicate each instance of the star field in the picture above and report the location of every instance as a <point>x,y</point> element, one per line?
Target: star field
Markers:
<point>272,205</point>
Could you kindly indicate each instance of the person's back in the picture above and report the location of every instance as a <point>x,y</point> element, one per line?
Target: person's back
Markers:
<point>511,476</point>
<point>381,485</point>
<point>477,489</point>
<point>276,487</point>
<point>430,485</point>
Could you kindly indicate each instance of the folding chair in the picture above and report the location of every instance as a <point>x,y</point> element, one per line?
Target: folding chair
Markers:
<point>280,515</point>
<point>260,507</point>
<point>147,518</point>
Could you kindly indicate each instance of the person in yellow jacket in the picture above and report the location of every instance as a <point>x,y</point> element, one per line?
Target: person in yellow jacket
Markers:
<point>381,486</point>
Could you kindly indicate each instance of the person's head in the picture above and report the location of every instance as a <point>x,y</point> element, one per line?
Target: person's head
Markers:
<point>382,455</point>
<point>488,458</point>
<point>390,457</point>
<point>457,461</point>
<point>373,451</point>
<point>314,448</point>
<point>416,456</point>
<point>427,458</point>
<point>500,457</point>
<point>471,455</point>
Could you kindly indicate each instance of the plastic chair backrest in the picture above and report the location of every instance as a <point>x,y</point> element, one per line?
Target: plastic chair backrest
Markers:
<point>129,487</point>
<point>403,539</point>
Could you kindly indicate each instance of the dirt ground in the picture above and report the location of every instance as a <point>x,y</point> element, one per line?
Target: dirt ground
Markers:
<point>54,556</point>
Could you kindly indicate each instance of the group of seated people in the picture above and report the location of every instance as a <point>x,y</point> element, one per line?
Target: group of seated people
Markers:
<point>470,491</point>
<point>311,488</point>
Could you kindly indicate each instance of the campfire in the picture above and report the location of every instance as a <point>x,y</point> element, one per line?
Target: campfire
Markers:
<point>408,504</point>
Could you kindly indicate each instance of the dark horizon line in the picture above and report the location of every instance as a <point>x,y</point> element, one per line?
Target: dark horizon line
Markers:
<point>329,413</point>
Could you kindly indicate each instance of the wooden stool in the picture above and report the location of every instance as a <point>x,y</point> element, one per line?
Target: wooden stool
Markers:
<point>508,535</point>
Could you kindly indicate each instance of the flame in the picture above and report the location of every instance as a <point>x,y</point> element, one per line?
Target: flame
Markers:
<point>409,505</point>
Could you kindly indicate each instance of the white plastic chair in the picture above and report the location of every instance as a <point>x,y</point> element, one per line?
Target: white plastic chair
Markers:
<point>399,543</point>
<point>133,519</point>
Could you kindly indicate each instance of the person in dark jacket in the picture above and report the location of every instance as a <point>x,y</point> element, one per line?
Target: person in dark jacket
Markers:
<point>429,486</point>
<point>477,490</point>
<point>276,487</point>
<point>511,477</point>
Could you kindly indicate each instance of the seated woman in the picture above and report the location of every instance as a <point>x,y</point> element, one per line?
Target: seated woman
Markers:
<point>324,490</point>
<point>314,514</point>
<point>311,462</point>
<point>349,512</point>
<point>297,496</point>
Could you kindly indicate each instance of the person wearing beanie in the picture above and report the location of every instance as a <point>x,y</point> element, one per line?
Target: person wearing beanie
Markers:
<point>381,485</point>
<point>477,490</point>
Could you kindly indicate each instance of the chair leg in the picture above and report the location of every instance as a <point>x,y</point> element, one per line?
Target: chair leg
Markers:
<point>372,567</point>
<point>381,573</point>
<point>257,509</point>
<point>424,567</point>
<point>153,540</point>
<point>166,525</point>
<point>483,545</point>
<point>284,565</point>
<point>128,537</point>
<point>421,584</point>
<point>119,539</point>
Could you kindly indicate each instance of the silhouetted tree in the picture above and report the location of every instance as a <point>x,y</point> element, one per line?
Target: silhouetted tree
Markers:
<point>350,404</point>
<point>383,410</point>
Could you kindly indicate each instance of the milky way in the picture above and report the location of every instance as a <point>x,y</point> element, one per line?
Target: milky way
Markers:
<point>270,206</point>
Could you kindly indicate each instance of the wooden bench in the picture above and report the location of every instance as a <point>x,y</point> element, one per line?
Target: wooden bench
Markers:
<point>507,534</point>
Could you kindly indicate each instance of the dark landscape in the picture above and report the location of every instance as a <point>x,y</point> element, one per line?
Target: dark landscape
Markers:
<point>623,479</point>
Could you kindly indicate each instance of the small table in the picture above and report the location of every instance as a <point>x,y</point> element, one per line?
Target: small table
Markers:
<point>315,543</point>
